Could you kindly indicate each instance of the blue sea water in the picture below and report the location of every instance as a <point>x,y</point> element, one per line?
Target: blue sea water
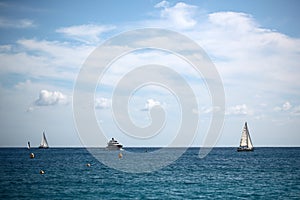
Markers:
<point>266,173</point>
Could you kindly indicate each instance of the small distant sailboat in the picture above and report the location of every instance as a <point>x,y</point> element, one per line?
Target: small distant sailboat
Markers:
<point>245,143</point>
<point>44,143</point>
<point>28,145</point>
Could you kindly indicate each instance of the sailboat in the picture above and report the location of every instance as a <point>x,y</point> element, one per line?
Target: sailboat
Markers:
<point>44,143</point>
<point>245,143</point>
<point>28,145</point>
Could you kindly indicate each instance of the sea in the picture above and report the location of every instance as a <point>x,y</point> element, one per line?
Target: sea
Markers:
<point>73,173</point>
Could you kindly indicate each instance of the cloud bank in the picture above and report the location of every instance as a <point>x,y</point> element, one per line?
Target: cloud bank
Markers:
<point>87,33</point>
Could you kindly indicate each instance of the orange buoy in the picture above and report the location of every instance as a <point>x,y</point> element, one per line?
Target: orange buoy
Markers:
<point>120,155</point>
<point>31,155</point>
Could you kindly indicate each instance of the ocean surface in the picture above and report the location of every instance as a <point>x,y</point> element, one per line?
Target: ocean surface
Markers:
<point>265,173</point>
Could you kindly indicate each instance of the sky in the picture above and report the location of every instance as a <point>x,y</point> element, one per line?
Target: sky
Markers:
<point>254,45</point>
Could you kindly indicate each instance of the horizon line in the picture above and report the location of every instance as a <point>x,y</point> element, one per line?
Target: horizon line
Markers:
<point>260,146</point>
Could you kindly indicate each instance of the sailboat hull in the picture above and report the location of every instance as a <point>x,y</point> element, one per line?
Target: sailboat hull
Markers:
<point>245,149</point>
<point>40,147</point>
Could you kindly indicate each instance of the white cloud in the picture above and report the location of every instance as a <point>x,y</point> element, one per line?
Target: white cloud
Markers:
<point>45,60</point>
<point>62,53</point>
<point>88,33</point>
<point>239,110</point>
<point>20,23</point>
<point>249,56</point>
<point>180,16</point>
<point>207,110</point>
<point>162,4</point>
<point>102,103</point>
<point>233,20</point>
<point>287,111</point>
<point>284,107</point>
<point>241,47</point>
<point>150,104</point>
<point>23,85</point>
<point>49,98</point>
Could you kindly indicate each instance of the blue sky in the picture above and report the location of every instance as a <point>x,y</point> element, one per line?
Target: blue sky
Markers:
<point>254,45</point>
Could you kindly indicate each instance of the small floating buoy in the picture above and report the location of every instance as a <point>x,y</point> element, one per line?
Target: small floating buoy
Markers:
<point>31,155</point>
<point>42,172</point>
<point>120,155</point>
<point>88,164</point>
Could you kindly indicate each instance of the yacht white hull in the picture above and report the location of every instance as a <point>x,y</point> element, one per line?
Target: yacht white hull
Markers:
<point>114,148</point>
<point>114,145</point>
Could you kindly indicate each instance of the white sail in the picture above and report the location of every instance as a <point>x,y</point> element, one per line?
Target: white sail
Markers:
<point>244,138</point>
<point>250,146</point>
<point>44,143</point>
<point>28,145</point>
<point>245,143</point>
